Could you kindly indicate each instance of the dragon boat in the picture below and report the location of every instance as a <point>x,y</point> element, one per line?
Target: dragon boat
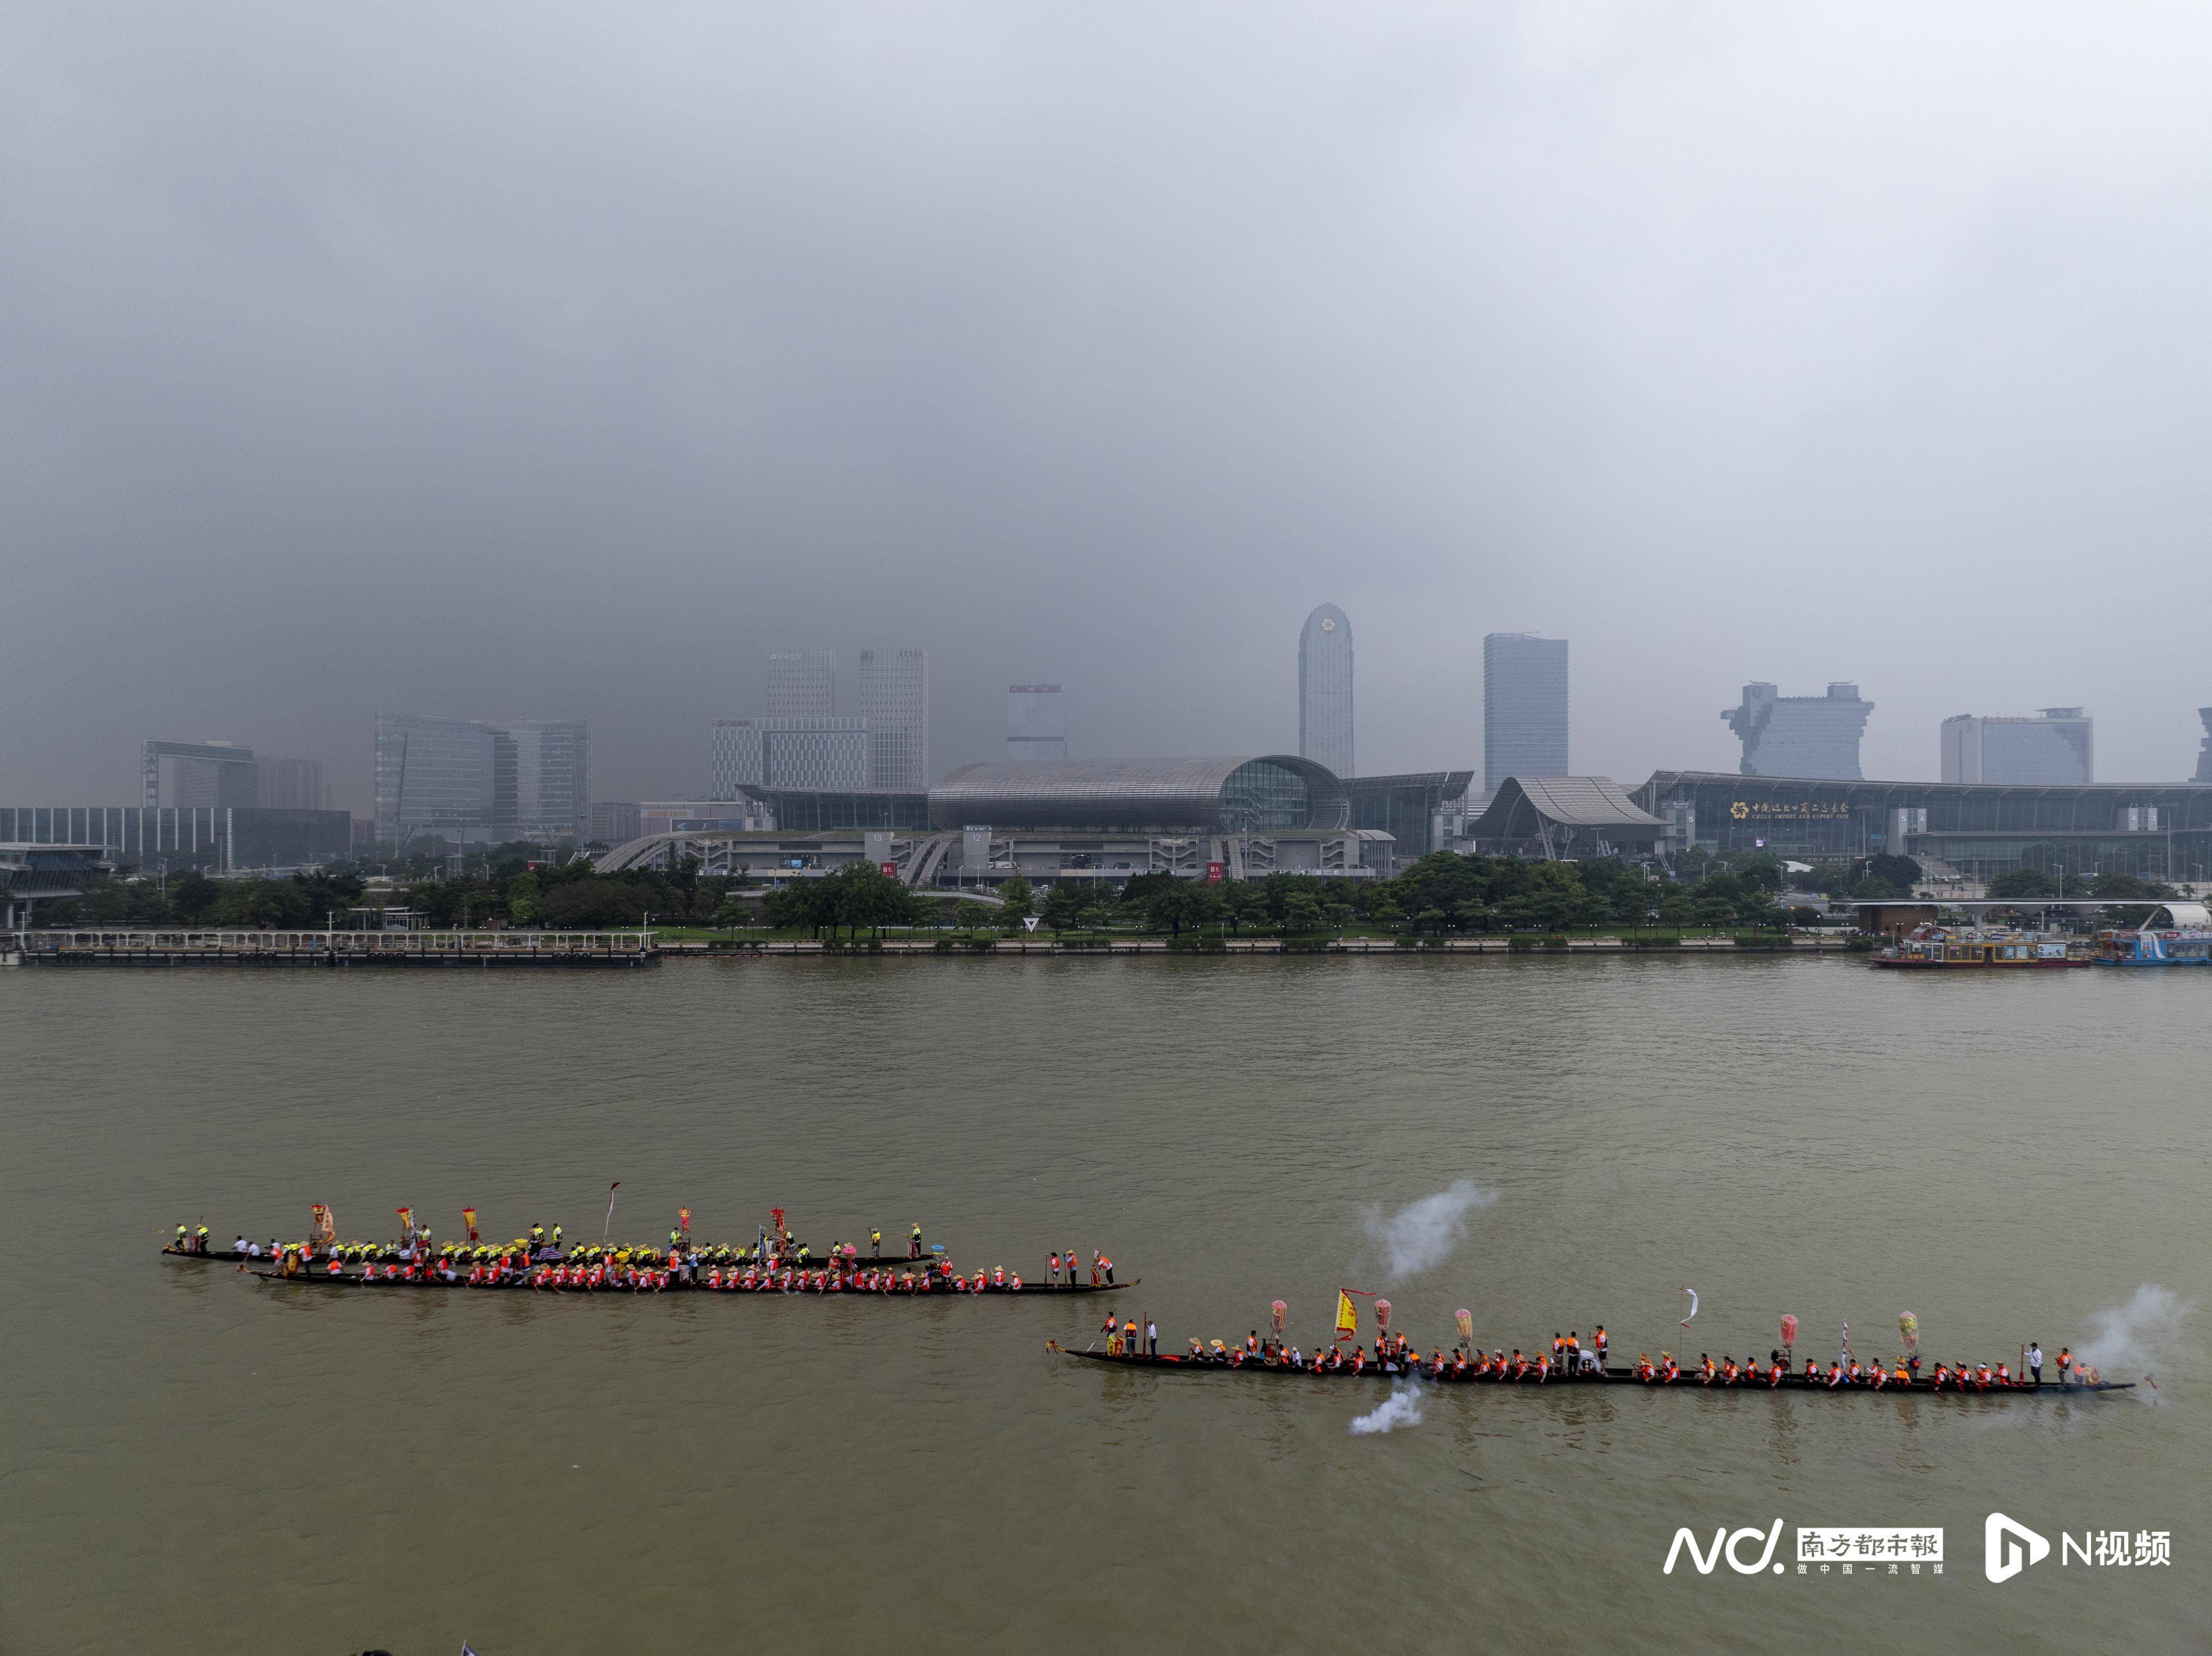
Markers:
<point>941,1287</point>
<point>1254,1368</point>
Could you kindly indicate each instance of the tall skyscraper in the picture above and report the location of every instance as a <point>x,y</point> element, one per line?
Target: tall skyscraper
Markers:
<point>2056,746</point>
<point>2205,748</point>
<point>1808,736</point>
<point>614,822</point>
<point>1525,708</point>
<point>292,785</point>
<point>1037,722</point>
<point>1325,689</point>
<point>199,775</point>
<point>473,779</point>
<point>895,700</point>
<point>801,683</point>
<point>789,753</point>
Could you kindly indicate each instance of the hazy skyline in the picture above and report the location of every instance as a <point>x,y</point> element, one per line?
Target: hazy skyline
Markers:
<point>552,362</point>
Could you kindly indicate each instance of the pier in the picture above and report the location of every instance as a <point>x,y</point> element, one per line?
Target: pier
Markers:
<point>232,946</point>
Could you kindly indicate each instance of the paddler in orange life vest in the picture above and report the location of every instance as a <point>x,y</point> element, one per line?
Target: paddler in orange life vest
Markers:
<point>1598,1341</point>
<point>1574,1352</point>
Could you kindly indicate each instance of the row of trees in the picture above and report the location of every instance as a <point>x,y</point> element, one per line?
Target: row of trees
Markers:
<point>1441,893</point>
<point>192,899</point>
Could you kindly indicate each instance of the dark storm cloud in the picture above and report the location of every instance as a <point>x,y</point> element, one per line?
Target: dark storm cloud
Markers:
<point>557,361</point>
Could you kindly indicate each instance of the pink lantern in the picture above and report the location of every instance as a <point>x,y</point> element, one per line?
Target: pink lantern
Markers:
<point>1279,1311</point>
<point>1789,1331</point>
<point>1382,1315</point>
<point>1465,1319</point>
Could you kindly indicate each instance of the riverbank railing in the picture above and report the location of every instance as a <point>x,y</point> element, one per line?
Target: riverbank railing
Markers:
<point>188,945</point>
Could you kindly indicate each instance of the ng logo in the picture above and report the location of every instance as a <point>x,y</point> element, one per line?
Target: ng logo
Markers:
<point>2000,1547</point>
<point>1724,1546</point>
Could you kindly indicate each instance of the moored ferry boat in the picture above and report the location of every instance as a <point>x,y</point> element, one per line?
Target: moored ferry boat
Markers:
<point>2176,934</point>
<point>1939,948</point>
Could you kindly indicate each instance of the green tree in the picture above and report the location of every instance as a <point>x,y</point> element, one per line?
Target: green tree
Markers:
<point>1187,903</point>
<point>1243,903</point>
<point>2119,885</point>
<point>594,905</point>
<point>2023,883</point>
<point>1064,905</point>
<point>1017,901</point>
<point>522,899</point>
<point>969,914</point>
<point>1302,913</point>
<point>1139,888</point>
<point>191,895</point>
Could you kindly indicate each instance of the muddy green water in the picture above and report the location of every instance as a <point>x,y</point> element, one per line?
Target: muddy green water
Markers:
<point>195,1462</point>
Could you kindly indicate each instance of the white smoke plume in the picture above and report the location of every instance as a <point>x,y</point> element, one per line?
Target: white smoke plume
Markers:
<point>1401,1408</point>
<point>2143,1336</point>
<point>1420,1233</point>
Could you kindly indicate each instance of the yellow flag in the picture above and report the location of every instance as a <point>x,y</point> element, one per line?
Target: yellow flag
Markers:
<point>1347,1318</point>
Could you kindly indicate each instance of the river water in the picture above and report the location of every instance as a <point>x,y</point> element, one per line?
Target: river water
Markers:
<point>197,1462</point>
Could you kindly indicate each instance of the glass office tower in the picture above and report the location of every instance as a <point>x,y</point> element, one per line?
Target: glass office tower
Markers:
<point>1325,689</point>
<point>471,778</point>
<point>895,700</point>
<point>801,683</point>
<point>1525,708</point>
<point>1037,722</point>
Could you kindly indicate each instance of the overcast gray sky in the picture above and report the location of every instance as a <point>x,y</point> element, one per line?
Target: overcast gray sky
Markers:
<point>551,361</point>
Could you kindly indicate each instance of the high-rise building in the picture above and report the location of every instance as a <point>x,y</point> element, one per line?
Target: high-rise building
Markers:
<point>292,785</point>
<point>469,778</point>
<point>614,822</point>
<point>1808,736</point>
<point>199,775</point>
<point>551,766</point>
<point>894,702</point>
<point>1525,708</point>
<point>1037,722</point>
<point>2205,748</point>
<point>2057,745</point>
<point>1325,689</point>
<point>789,753</point>
<point>802,683</point>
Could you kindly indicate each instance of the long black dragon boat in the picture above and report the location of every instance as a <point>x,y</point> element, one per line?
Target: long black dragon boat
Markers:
<point>919,1288</point>
<point>1255,1369</point>
<point>725,1256</point>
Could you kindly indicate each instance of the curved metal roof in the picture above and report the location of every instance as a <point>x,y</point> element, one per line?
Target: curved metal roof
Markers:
<point>1118,793</point>
<point>1522,805</point>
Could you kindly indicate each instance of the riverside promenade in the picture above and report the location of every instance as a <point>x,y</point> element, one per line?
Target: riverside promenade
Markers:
<point>1407,949</point>
<point>227,946</point>
<point>242,947</point>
